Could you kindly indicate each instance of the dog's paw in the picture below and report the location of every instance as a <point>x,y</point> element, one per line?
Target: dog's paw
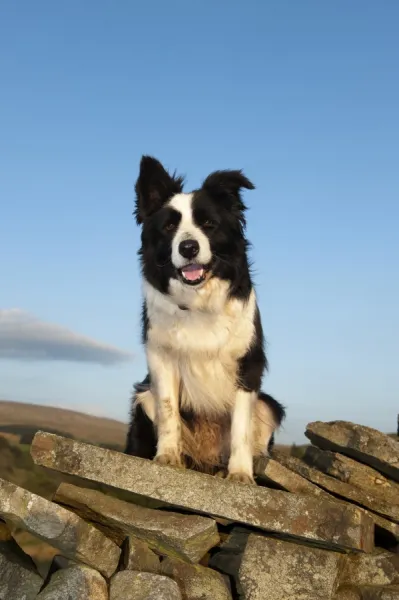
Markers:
<point>241,478</point>
<point>172,459</point>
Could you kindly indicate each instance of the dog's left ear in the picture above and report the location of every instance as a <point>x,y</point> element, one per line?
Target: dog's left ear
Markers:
<point>154,187</point>
<point>228,184</point>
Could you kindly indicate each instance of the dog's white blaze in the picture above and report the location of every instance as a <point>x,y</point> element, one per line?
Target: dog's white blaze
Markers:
<point>188,230</point>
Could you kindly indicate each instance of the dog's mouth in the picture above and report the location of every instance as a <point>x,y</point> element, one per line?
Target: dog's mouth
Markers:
<point>193,274</point>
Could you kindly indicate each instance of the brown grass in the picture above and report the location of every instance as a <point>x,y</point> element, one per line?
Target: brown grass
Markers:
<point>97,430</point>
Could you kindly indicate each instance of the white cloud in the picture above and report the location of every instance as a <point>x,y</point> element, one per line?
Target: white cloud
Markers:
<point>24,337</point>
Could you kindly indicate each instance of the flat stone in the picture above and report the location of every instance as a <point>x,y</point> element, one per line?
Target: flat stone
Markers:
<point>5,532</point>
<point>77,582</point>
<point>316,520</point>
<point>351,471</point>
<point>357,441</point>
<point>59,562</point>
<point>279,570</point>
<point>137,556</point>
<point>386,527</point>
<point>228,559</point>
<point>185,536</point>
<point>379,568</point>
<point>368,592</point>
<point>133,585</point>
<point>339,488</point>
<point>270,471</point>
<point>59,527</point>
<point>19,579</point>
<point>196,582</point>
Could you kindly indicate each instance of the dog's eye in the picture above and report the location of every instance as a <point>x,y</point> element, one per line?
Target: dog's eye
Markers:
<point>170,227</point>
<point>209,223</point>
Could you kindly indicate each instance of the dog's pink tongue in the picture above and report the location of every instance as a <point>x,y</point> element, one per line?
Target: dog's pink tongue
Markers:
<point>192,272</point>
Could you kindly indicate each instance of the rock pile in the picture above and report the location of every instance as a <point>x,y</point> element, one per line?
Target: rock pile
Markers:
<point>319,528</point>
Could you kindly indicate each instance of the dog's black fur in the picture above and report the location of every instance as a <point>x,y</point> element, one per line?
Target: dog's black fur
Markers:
<point>219,212</point>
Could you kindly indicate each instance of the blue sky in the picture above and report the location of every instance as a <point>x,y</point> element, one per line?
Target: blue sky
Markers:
<point>303,96</point>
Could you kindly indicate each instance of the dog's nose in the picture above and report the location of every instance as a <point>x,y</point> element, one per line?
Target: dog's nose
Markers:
<point>189,248</point>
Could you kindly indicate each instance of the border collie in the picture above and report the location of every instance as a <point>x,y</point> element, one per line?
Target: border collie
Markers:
<point>201,404</point>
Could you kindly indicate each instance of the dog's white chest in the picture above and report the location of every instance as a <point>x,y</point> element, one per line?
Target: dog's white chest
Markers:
<point>203,348</point>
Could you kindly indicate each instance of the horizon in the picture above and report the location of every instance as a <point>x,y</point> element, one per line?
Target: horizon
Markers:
<point>302,97</point>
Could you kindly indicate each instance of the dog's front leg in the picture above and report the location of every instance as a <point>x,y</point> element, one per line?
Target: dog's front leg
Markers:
<point>241,461</point>
<point>165,389</point>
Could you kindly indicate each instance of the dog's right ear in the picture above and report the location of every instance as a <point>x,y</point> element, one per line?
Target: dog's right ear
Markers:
<point>154,187</point>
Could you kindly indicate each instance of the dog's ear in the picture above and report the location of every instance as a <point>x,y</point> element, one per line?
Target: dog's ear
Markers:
<point>154,187</point>
<point>228,184</point>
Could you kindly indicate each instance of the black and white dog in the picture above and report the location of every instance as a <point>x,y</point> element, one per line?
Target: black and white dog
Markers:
<point>201,403</point>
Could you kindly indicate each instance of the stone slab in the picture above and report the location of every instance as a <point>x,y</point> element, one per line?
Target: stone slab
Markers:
<point>368,592</point>
<point>185,536</point>
<point>279,570</point>
<point>59,527</point>
<point>315,520</point>
<point>229,557</point>
<point>77,582</point>
<point>19,579</point>
<point>196,582</point>
<point>5,532</point>
<point>137,556</point>
<point>365,444</point>
<point>353,472</point>
<point>339,488</point>
<point>271,471</point>
<point>133,585</point>
<point>379,568</point>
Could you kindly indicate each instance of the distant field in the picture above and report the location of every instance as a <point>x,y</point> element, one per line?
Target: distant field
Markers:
<point>17,418</point>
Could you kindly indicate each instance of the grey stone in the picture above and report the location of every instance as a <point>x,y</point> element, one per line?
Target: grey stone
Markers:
<point>315,520</point>
<point>272,471</point>
<point>186,536</point>
<point>368,592</point>
<point>59,562</point>
<point>386,527</point>
<point>277,570</point>
<point>133,585</point>
<point>77,582</point>
<point>5,532</point>
<point>137,556</point>
<point>340,488</point>
<point>59,527</point>
<point>357,441</point>
<point>379,568</point>
<point>19,579</point>
<point>351,471</point>
<point>196,582</point>
<point>228,559</point>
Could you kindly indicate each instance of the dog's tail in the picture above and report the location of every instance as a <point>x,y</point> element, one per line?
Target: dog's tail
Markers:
<point>278,412</point>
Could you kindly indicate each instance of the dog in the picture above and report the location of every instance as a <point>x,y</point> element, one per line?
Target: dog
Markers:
<point>201,404</point>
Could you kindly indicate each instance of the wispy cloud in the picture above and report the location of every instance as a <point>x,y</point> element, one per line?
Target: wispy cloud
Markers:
<point>24,337</point>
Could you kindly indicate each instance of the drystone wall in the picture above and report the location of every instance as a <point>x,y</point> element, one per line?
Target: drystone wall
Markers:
<point>319,528</point>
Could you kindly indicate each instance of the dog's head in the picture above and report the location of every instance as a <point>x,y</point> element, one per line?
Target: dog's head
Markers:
<point>190,237</point>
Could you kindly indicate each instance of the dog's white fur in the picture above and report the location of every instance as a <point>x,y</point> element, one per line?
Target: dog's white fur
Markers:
<point>188,230</point>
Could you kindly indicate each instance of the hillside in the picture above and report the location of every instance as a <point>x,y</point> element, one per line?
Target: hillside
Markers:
<point>18,424</point>
<point>24,419</point>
